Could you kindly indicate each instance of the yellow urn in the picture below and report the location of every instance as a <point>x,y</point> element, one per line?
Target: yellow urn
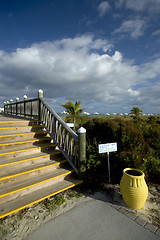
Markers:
<point>133,188</point>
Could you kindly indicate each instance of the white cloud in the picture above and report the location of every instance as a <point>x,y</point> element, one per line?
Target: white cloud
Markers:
<point>150,6</point>
<point>73,68</point>
<point>135,27</point>
<point>156,33</point>
<point>133,93</point>
<point>103,8</point>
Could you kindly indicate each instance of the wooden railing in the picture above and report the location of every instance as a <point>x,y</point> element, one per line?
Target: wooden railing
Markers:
<point>63,136</point>
<point>70,144</point>
<point>26,108</point>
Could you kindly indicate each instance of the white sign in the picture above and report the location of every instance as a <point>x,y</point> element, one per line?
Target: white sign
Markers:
<point>70,124</point>
<point>108,147</point>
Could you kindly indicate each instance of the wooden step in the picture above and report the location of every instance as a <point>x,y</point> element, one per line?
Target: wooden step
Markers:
<point>11,130</point>
<point>27,143</point>
<point>20,123</point>
<point>14,172</point>
<point>37,196</point>
<point>12,190</point>
<point>31,159</point>
<point>19,136</point>
<point>21,151</point>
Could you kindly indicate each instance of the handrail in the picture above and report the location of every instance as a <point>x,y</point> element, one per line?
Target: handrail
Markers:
<point>63,136</point>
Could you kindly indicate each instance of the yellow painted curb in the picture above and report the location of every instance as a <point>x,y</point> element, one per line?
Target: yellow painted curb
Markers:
<point>39,200</point>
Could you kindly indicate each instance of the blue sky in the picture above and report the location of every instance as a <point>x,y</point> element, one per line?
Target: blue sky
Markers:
<point>104,53</point>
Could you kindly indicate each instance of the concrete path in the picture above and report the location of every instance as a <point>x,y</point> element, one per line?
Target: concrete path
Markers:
<point>92,220</point>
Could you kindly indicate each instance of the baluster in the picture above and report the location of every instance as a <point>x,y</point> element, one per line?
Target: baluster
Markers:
<point>70,147</point>
<point>66,141</point>
<point>50,122</point>
<point>31,109</point>
<point>54,128</point>
<point>42,112</point>
<point>75,154</point>
<point>45,116</point>
<point>61,136</point>
<point>58,132</point>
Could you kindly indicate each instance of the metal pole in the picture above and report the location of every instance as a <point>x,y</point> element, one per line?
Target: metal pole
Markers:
<point>109,173</point>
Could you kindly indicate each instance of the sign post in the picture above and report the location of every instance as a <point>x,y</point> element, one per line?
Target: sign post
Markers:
<point>109,172</point>
<point>107,148</point>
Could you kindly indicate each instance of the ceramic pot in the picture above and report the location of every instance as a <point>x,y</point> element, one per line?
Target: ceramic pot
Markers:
<point>133,188</point>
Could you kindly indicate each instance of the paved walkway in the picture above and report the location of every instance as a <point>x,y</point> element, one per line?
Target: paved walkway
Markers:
<point>94,220</point>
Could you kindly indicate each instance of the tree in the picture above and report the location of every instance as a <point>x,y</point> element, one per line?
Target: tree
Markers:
<point>73,110</point>
<point>136,111</point>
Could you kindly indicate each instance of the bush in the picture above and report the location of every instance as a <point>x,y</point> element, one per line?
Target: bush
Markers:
<point>137,141</point>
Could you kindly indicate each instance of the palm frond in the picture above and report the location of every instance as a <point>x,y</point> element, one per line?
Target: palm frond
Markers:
<point>73,110</point>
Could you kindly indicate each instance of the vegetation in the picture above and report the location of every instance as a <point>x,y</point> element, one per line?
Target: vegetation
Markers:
<point>52,204</point>
<point>3,232</point>
<point>74,110</point>
<point>136,111</point>
<point>137,140</point>
<point>75,195</point>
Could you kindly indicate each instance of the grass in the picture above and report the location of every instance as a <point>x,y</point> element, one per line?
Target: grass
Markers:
<point>52,204</point>
<point>74,195</point>
<point>3,232</point>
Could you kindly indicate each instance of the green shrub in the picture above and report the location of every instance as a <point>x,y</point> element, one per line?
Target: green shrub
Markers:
<point>138,145</point>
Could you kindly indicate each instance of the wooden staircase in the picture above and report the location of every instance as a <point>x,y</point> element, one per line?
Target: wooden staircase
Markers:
<point>31,166</point>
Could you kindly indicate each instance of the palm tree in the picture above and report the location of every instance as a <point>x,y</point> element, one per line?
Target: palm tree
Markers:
<point>136,111</point>
<point>73,109</point>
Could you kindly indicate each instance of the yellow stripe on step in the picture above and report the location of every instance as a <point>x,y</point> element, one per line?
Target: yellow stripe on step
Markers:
<point>29,159</point>
<point>35,184</point>
<point>28,149</point>
<point>38,200</point>
<point>33,170</point>
<point>35,126</point>
<point>27,141</point>
<point>19,121</point>
<point>19,134</point>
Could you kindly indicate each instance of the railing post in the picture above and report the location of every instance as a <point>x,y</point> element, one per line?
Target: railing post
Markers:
<point>7,106</point>
<point>40,95</point>
<point>82,152</point>
<point>11,101</point>
<point>25,98</point>
<point>4,107</point>
<point>17,100</point>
